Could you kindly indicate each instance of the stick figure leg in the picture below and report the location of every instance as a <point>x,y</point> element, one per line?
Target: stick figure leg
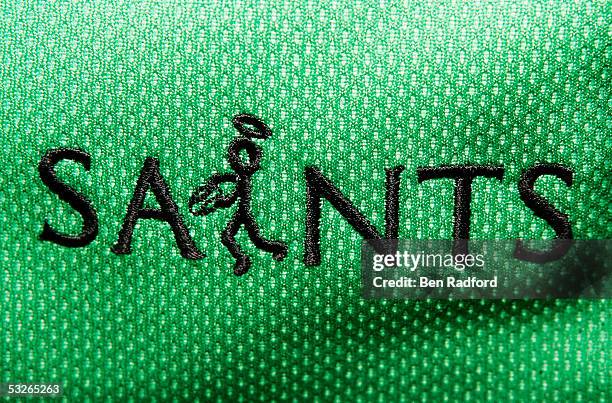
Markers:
<point>277,248</point>
<point>228,239</point>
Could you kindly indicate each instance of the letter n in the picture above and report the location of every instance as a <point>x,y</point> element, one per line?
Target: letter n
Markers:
<point>318,187</point>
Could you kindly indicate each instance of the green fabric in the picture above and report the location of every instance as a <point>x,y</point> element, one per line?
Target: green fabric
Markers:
<point>350,87</point>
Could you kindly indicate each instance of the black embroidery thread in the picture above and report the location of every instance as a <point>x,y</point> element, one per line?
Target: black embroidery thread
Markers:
<point>545,210</point>
<point>464,176</point>
<point>392,185</point>
<point>319,187</point>
<point>76,200</point>
<point>250,127</point>
<point>151,178</point>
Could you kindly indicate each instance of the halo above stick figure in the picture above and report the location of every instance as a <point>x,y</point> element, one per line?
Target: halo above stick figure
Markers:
<point>204,201</point>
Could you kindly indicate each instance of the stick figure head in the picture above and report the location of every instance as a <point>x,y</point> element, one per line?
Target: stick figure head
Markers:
<point>253,152</point>
<point>251,127</point>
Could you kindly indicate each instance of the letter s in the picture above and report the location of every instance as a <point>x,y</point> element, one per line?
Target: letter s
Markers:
<point>77,201</point>
<point>542,208</point>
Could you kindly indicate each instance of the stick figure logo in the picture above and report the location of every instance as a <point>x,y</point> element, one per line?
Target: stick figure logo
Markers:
<point>210,197</point>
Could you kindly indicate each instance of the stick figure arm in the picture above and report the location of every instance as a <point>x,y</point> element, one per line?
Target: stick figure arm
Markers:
<point>211,196</point>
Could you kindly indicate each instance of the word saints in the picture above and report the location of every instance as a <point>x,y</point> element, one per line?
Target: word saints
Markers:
<point>244,156</point>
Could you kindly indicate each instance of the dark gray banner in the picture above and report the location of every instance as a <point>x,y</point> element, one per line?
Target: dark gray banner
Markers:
<point>481,269</point>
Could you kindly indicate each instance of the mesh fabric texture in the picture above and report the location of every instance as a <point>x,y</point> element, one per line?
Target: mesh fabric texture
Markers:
<point>350,87</point>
